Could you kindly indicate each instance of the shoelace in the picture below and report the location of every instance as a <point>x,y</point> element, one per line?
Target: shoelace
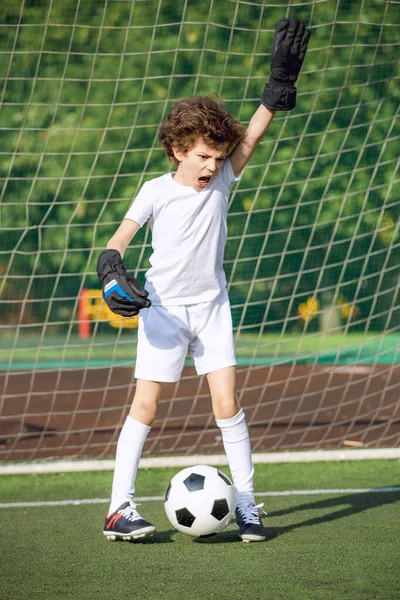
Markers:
<point>250,512</point>
<point>130,513</point>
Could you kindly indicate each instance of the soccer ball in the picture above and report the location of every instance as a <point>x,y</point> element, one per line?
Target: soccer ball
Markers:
<point>200,501</point>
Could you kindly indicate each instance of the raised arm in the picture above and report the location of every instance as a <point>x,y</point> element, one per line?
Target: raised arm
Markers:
<point>288,51</point>
<point>258,126</point>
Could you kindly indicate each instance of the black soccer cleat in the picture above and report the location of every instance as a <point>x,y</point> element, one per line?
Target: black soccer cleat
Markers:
<point>248,519</point>
<point>127,524</point>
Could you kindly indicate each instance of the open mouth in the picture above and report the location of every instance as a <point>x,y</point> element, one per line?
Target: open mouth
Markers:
<point>203,181</point>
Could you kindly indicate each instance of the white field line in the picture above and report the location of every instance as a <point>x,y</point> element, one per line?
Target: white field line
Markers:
<point>68,466</point>
<point>382,490</point>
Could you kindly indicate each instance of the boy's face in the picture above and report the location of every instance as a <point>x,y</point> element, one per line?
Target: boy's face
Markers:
<point>199,165</point>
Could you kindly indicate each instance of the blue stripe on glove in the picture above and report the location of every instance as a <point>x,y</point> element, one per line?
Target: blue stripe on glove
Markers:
<point>116,288</point>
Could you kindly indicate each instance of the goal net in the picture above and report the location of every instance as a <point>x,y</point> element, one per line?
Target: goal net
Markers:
<point>313,254</point>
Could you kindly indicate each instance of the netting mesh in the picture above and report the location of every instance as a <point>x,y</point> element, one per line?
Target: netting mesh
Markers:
<point>313,248</point>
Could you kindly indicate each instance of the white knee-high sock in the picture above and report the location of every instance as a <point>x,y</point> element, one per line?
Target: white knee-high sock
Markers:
<point>236,440</point>
<point>129,450</point>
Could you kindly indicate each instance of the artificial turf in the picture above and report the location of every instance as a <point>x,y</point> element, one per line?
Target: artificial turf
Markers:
<point>326,546</point>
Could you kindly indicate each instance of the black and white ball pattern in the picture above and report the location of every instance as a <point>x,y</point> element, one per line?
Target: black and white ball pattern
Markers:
<point>200,501</point>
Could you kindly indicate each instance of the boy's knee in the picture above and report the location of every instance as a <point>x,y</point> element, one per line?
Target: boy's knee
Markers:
<point>225,408</point>
<point>143,411</point>
<point>145,401</point>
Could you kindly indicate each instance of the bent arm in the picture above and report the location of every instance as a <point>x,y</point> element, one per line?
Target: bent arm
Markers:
<point>258,126</point>
<point>123,236</point>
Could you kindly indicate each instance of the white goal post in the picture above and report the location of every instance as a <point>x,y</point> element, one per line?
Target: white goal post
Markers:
<point>313,251</point>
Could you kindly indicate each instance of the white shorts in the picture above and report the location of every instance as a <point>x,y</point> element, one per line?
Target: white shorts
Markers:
<point>167,333</point>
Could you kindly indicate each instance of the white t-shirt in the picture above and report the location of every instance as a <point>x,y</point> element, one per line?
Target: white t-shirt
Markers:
<point>189,233</point>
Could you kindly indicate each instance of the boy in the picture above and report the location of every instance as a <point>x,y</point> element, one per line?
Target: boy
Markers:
<point>185,305</point>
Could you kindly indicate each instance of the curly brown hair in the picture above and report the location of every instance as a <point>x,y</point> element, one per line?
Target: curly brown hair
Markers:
<point>199,117</point>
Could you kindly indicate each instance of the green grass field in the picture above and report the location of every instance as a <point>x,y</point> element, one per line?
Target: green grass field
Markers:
<point>120,349</point>
<point>321,546</point>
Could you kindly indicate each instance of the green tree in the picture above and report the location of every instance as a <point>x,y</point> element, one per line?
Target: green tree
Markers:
<point>84,88</point>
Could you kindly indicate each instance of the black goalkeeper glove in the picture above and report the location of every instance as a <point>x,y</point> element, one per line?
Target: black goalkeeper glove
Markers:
<point>288,51</point>
<point>123,293</point>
